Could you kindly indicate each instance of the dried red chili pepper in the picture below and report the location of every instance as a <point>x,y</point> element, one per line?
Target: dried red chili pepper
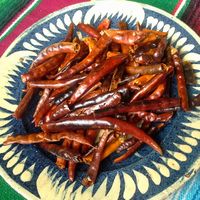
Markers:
<point>141,81</point>
<point>149,86</point>
<point>129,37</point>
<point>138,26</point>
<point>97,75</point>
<point>60,92</point>
<point>54,84</point>
<point>38,118</point>
<point>62,97</point>
<point>137,145</point>
<point>73,58</point>
<point>98,99</point>
<point>57,112</point>
<point>103,25</point>
<point>55,49</point>
<point>43,69</point>
<point>42,100</point>
<point>71,164</point>
<point>159,51</point>
<point>116,78</point>
<point>102,123</point>
<point>182,90</point>
<point>128,79</point>
<point>90,133</point>
<point>101,45</point>
<point>142,105</point>
<point>152,117</point>
<point>89,29</point>
<point>142,70</point>
<point>76,123</point>
<point>47,137</point>
<point>23,104</point>
<point>70,32</point>
<point>127,143</point>
<point>62,152</point>
<point>159,91</point>
<point>60,162</point>
<point>131,129</point>
<point>124,47</point>
<point>107,103</point>
<point>145,59</point>
<point>109,149</point>
<point>94,165</point>
<point>129,152</point>
<point>93,88</point>
<point>112,137</point>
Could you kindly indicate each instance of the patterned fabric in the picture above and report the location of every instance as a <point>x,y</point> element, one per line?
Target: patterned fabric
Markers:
<point>192,16</point>
<point>8,9</point>
<point>28,15</point>
<point>190,191</point>
<point>18,15</point>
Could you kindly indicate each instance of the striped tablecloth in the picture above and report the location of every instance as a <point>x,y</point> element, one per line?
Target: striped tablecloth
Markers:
<point>17,15</point>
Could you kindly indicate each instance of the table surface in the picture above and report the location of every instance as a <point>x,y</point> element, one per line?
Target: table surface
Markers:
<point>20,14</point>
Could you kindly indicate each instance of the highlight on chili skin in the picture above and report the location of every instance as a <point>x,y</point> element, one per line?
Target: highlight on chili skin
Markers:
<point>108,92</point>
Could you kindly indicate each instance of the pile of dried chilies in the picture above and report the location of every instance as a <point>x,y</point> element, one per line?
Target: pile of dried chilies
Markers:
<point>108,92</point>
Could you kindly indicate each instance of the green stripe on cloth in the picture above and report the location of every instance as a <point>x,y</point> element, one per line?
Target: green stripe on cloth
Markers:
<point>19,19</point>
<point>182,10</point>
<point>168,6</point>
<point>7,192</point>
<point>164,5</point>
<point>8,9</point>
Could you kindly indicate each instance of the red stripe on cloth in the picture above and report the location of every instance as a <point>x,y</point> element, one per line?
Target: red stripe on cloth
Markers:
<point>177,6</point>
<point>192,16</point>
<point>195,21</point>
<point>44,8</point>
